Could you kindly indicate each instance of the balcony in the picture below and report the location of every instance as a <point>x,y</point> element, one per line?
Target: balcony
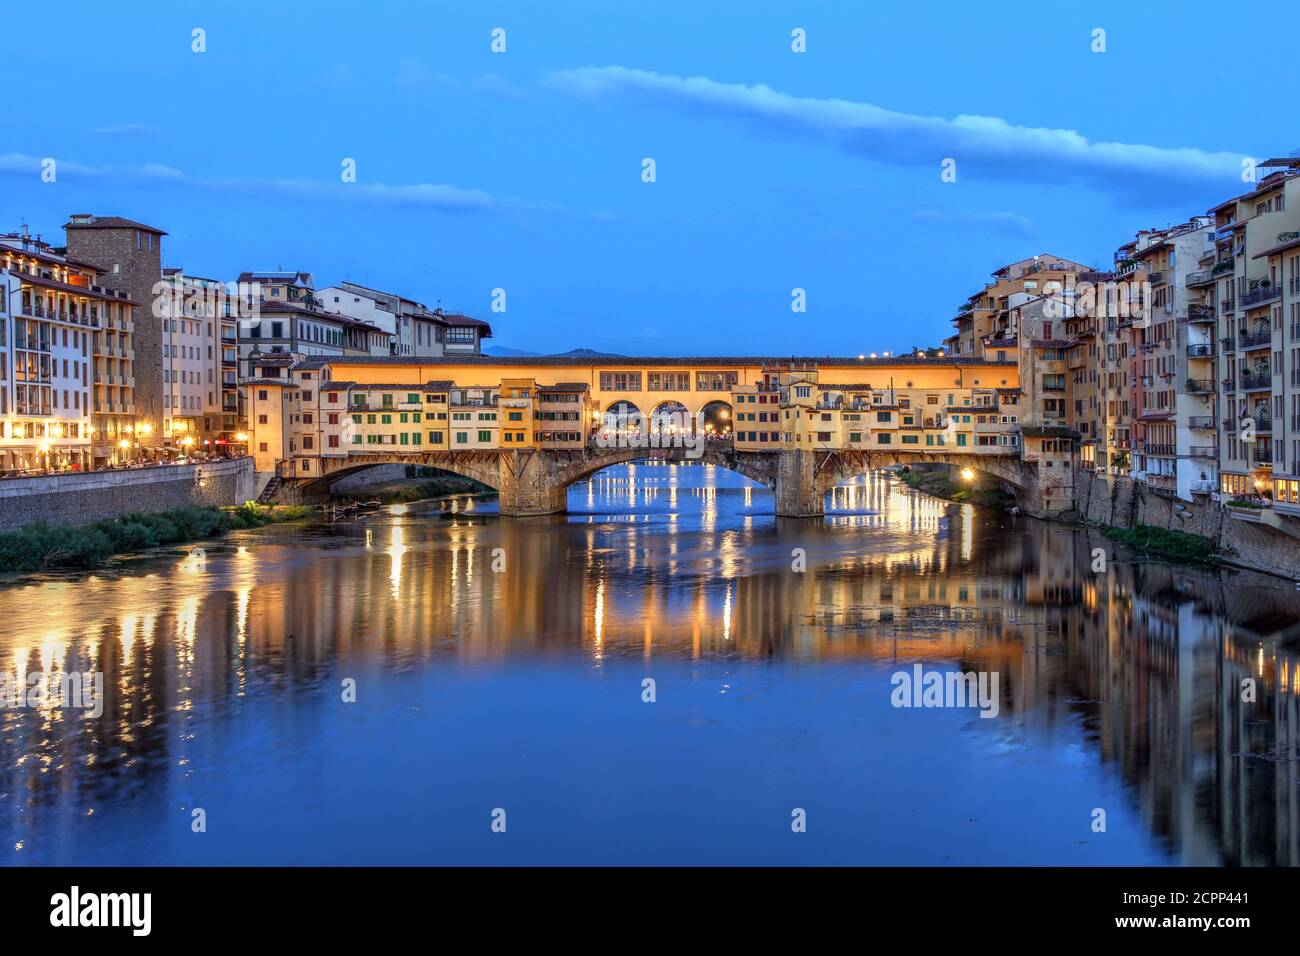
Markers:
<point>1202,422</point>
<point>1263,425</point>
<point>1200,386</point>
<point>1203,451</point>
<point>1255,340</point>
<point>1199,312</point>
<point>1259,296</point>
<point>1228,305</point>
<point>1203,488</point>
<point>1254,381</point>
<point>1163,451</point>
<point>1203,277</point>
<point>1200,351</point>
<point>1155,278</point>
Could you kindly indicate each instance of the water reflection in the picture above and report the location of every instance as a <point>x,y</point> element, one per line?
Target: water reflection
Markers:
<point>1135,674</point>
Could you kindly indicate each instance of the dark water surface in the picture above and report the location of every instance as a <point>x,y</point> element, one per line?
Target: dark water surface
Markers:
<point>521,689</point>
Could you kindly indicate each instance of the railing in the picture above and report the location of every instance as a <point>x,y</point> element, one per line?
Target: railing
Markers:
<point>1203,488</point>
<point>1228,305</point>
<point>1200,351</point>
<point>1200,421</point>
<point>1256,296</point>
<point>1252,340</point>
<point>1165,450</point>
<point>1199,312</point>
<point>1203,451</point>
<point>1263,426</point>
<point>1262,379</point>
<point>1263,456</point>
<point>1200,385</point>
<point>1154,277</point>
<point>1229,343</point>
<point>1203,277</point>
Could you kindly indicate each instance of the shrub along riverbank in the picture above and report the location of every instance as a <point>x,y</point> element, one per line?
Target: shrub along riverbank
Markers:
<point>395,492</point>
<point>45,547</point>
<point>938,483</point>
<point>1164,543</point>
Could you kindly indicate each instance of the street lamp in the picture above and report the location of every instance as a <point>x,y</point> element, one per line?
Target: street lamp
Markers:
<point>967,474</point>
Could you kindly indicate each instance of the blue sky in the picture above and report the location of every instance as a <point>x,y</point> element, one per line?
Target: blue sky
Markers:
<point>522,170</point>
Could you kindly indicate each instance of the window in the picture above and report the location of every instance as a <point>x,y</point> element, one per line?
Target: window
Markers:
<point>620,381</point>
<point>714,381</point>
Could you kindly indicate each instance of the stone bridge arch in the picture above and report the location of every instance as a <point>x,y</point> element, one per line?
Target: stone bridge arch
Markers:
<point>536,481</point>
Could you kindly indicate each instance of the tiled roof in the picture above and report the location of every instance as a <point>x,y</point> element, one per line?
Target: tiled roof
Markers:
<point>609,361</point>
<point>112,222</point>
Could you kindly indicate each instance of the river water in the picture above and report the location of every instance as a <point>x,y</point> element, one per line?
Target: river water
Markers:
<point>500,674</point>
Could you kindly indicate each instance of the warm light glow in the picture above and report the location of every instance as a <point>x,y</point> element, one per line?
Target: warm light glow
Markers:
<point>124,444</point>
<point>241,437</point>
<point>187,441</point>
<point>967,474</point>
<point>144,429</point>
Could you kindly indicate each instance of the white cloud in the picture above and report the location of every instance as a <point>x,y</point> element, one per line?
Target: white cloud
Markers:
<point>1009,223</point>
<point>985,146</point>
<point>435,196</point>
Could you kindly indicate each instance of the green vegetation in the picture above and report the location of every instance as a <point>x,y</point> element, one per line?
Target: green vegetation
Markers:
<point>46,547</point>
<point>1164,543</point>
<point>938,483</point>
<point>1243,503</point>
<point>400,491</point>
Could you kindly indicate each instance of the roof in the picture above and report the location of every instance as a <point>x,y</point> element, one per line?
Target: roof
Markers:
<point>564,387</point>
<point>440,385</point>
<point>1280,247</point>
<point>278,276</point>
<point>44,255</point>
<point>108,222</point>
<point>615,361</point>
<point>94,291</point>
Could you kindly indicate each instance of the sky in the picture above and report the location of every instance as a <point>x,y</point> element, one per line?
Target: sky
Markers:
<point>523,170</point>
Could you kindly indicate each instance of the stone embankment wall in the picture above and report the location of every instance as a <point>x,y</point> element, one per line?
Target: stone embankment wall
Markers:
<point>1123,503</point>
<point>79,498</point>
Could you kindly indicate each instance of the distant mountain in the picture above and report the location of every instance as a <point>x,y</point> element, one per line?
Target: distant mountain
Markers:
<point>501,351</point>
<point>586,353</point>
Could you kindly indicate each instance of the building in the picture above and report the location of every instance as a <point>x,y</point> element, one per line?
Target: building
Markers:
<point>985,323</point>
<point>1257,319</point>
<point>128,258</point>
<point>416,330</point>
<point>194,313</point>
<point>66,362</point>
<point>283,314</point>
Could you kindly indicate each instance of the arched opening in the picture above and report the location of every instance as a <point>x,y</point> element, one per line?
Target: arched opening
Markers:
<point>714,420</point>
<point>622,419</point>
<point>670,418</point>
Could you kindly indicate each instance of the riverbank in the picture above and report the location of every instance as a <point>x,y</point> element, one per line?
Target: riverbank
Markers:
<point>938,484</point>
<point>418,489</point>
<point>47,547</point>
<point>1167,544</point>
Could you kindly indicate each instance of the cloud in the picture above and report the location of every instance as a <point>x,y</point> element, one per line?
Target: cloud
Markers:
<point>984,146</point>
<point>427,196</point>
<point>1009,223</point>
<point>411,72</point>
<point>124,129</point>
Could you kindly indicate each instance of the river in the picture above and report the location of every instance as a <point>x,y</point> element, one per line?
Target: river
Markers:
<point>500,668</point>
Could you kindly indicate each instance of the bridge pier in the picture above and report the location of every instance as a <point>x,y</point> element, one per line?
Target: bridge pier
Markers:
<point>797,492</point>
<point>527,485</point>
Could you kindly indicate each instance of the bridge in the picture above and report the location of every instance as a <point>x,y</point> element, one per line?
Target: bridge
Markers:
<point>528,426</point>
<point>536,481</point>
